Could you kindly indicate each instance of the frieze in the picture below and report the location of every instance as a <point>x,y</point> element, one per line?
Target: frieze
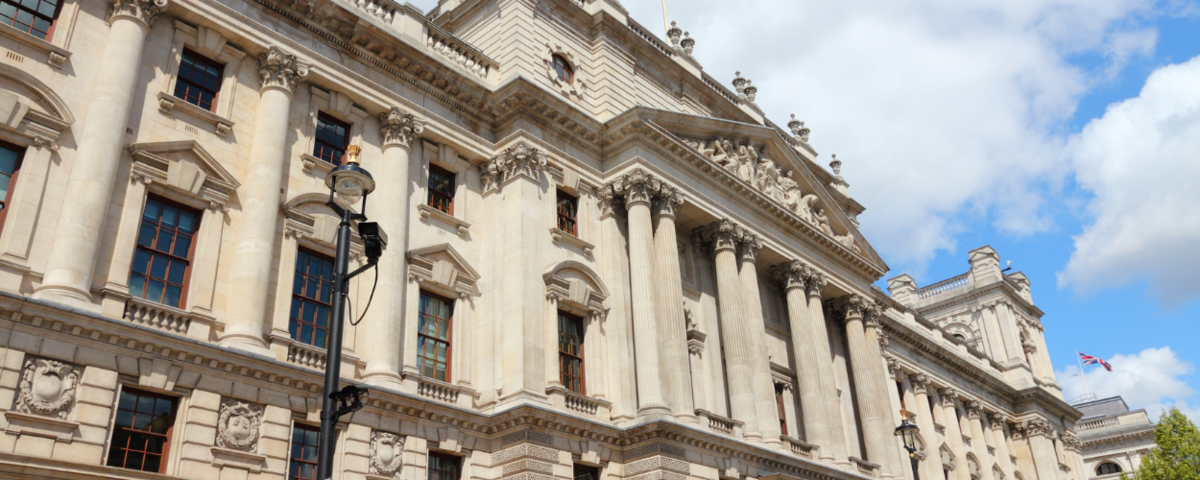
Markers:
<point>238,425</point>
<point>386,455</point>
<point>524,450</point>
<point>531,435</point>
<point>527,464</point>
<point>657,462</point>
<point>653,448</point>
<point>659,475</point>
<point>47,388</point>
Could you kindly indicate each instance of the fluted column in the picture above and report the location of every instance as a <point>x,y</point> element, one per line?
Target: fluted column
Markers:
<point>672,328</point>
<point>882,403</point>
<point>383,331</point>
<point>792,276</point>
<point>90,184</point>
<point>875,433</point>
<point>948,397</point>
<point>764,385</point>
<point>1038,433</point>
<point>998,423</point>
<point>815,283</point>
<point>639,188</point>
<point>722,238</point>
<point>932,460</point>
<point>254,252</point>
<point>978,441</point>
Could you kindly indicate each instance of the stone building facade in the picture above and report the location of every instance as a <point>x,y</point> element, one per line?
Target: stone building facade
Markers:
<point>1113,437</point>
<point>602,262</point>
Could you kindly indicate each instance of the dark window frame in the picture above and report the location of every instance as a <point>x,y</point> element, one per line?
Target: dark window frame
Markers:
<point>295,465</point>
<point>34,14</point>
<point>424,339</point>
<point>567,209</point>
<point>448,467</point>
<point>302,298</point>
<point>329,149</point>
<point>189,82</point>
<point>584,472</point>
<point>441,193</point>
<point>1110,470</point>
<point>169,255</point>
<point>12,179</point>
<point>563,69</point>
<point>133,433</point>
<point>779,388</point>
<point>571,352</point>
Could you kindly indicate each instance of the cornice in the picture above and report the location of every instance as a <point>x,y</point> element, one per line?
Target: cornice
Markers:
<point>1000,286</point>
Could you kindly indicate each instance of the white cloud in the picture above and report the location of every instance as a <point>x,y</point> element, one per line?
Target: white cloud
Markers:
<point>1141,160</point>
<point>1152,379</point>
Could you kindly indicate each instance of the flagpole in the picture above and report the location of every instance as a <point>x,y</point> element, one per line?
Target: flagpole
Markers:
<point>666,27</point>
<point>1079,358</point>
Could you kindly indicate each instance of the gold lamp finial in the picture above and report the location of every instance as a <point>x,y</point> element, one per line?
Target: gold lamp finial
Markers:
<point>352,154</point>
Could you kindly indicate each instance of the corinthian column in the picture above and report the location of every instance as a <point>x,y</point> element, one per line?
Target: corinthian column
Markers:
<point>383,330</point>
<point>875,432</point>
<point>722,237</point>
<point>76,240</point>
<point>639,189</point>
<point>877,342</point>
<point>764,386</point>
<point>978,440</point>
<point>953,426</point>
<point>837,435</point>
<point>998,423</point>
<point>921,385</point>
<point>254,252</point>
<point>672,328</point>
<point>792,276</point>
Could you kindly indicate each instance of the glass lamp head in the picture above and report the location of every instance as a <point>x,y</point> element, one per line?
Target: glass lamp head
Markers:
<point>350,180</point>
<point>908,432</point>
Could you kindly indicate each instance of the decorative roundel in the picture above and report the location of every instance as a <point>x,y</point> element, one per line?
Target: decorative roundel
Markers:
<point>563,71</point>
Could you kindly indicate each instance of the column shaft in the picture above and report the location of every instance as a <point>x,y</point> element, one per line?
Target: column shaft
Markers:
<point>829,390</point>
<point>998,427</point>
<point>866,387</point>
<point>76,239</point>
<point>804,339</point>
<point>924,420</point>
<point>882,402</point>
<point>763,385</point>
<point>953,426</point>
<point>978,441</point>
<point>645,328</point>
<point>672,328</point>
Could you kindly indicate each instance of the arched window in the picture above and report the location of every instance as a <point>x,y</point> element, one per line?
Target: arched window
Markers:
<point>1107,468</point>
<point>565,73</point>
<point>960,337</point>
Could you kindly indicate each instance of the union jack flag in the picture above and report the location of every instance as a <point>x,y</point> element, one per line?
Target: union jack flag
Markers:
<point>1090,360</point>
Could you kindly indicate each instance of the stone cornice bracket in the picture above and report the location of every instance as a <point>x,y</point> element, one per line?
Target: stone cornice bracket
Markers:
<point>799,131</point>
<point>637,187</point>
<point>793,274</point>
<point>279,69</point>
<point>947,396</point>
<point>920,382</point>
<point>399,128</point>
<point>667,201</point>
<point>144,11</point>
<point>516,161</point>
<point>716,236</point>
<point>748,246</point>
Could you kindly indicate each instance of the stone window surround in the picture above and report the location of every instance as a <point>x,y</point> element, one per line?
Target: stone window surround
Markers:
<point>569,181</point>
<point>214,46</point>
<point>55,48</point>
<point>171,457</point>
<point>447,158</point>
<point>337,105</point>
<point>454,280</point>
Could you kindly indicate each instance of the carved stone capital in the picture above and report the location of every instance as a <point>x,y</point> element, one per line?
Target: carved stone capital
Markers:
<point>637,187</point>
<point>793,274</point>
<point>280,69</point>
<point>47,388</point>
<point>609,203</point>
<point>667,201</point>
<point>974,409</point>
<point>853,307</point>
<point>398,127</point>
<point>386,454</point>
<point>1038,427</point>
<point>238,425</point>
<point>816,283</point>
<point>997,420</point>
<point>893,366</point>
<point>947,396</point>
<point>717,236</point>
<point>1071,442</point>
<point>920,382</point>
<point>145,11</point>
<point>748,246</point>
<point>520,160</point>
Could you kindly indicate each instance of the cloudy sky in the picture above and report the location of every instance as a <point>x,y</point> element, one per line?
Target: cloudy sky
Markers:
<point>1064,133</point>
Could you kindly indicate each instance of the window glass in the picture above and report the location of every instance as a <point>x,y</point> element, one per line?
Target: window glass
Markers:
<point>199,80</point>
<point>441,189</point>
<point>303,459</point>
<point>10,163</point>
<point>142,431</point>
<point>34,17</point>
<point>1107,468</point>
<point>563,69</point>
<point>164,253</point>
<point>332,139</point>
<point>568,206</point>
<point>570,352</point>
<point>433,337</point>
<point>442,467</point>
<point>312,292</point>
<point>779,406</point>
<point>584,472</point>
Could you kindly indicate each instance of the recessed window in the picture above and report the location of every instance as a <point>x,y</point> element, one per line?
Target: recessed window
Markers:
<point>164,253</point>
<point>1107,468</point>
<point>442,467</point>
<point>584,472</point>
<point>10,164</point>
<point>332,139</point>
<point>433,339</point>
<point>308,322</point>
<point>570,352</point>
<point>199,80</point>
<point>141,433</point>
<point>303,459</point>
<point>562,67</point>
<point>441,189</point>
<point>779,408</point>
<point>568,208</point>
<point>960,337</point>
<point>932,410</point>
<point>35,17</point>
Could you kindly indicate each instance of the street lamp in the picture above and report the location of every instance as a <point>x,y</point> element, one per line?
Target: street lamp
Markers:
<point>349,182</point>
<point>908,432</point>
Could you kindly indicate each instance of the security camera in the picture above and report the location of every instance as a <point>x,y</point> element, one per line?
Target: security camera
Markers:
<point>374,239</point>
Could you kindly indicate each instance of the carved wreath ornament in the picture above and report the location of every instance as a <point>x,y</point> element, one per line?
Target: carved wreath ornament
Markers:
<point>47,388</point>
<point>387,453</point>
<point>238,425</point>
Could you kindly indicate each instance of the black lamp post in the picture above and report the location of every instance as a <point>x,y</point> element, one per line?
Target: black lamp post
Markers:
<point>349,181</point>
<point>908,432</point>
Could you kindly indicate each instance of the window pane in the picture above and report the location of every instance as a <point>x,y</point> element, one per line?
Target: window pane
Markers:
<point>165,236</point>
<point>177,270</point>
<point>183,245</point>
<point>158,267</point>
<point>173,294</point>
<point>146,236</point>
<point>154,291</point>
<point>187,222</point>
<point>141,260</point>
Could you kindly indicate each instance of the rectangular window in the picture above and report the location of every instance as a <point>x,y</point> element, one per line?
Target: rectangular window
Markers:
<point>568,207</point>
<point>303,460</point>
<point>779,406</point>
<point>584,472</point>
<point>199,80</point>
<point>10,164</point>
<point>332,139</point>
<point>311,294</point>
<point>164,253</point>
<point>441,189</point>
<point>433,336</point>
<point>570,352</point>
<point>442,467</point>
<point>35,17</point>
<point>141,433</point>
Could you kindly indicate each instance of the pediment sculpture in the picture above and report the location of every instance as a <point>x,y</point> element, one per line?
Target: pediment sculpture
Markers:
<point>386,454</point>
<point>238,425</point>
<point>47,388</point>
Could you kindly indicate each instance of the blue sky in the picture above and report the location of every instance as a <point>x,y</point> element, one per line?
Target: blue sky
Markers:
<point>1063,133</point>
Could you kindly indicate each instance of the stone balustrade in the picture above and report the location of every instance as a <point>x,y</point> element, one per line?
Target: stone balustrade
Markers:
<point>440,391</point>
<point>947,285</point>
<point>797,447</point>
<point>384,10</point>
<point>157,316</point>
<point>866,468</point>
<point>458,52</point>
<point>306,356</point>
<point>720,424</point>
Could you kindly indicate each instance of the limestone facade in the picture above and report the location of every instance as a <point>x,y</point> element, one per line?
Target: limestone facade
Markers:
<point>1113,438</point>
<point>601,262</point>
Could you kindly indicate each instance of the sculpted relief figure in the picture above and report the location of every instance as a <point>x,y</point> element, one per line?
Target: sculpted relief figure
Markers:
<point>805,208</point>
<point>767,179</point>
<point>791,193</point>
<point>747,156</point>
<point>822,221</point>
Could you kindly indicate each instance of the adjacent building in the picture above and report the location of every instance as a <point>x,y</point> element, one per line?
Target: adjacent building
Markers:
<point>1114,439</point>
<point>603,262</point>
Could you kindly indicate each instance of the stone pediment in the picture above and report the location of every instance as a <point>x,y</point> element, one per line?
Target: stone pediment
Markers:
<point>442,266</point>
<point>183,165</point>
<point>30,108</point>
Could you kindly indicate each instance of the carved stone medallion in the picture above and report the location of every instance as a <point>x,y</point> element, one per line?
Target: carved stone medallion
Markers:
<point>47,388</point>
<point>238,425</point>
<point>387,454</point>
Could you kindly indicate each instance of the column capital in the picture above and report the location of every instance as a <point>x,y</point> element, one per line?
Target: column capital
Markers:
<point>637,187</point>
<point>1037,427</point>
<point>974,409</point>
<point>893,365</point>
<point>515,161</point>
<point>610,204</point>
<point>816,283</point>
<point>997,420</point>
<point>947,396</point>
<point>399,128</point>
<point>748,246</point>
<point>279,69</point>
<point>793,274</point>
<point>920,382</point>
<point>717,236</point>
<point>666,201</point>
<point>1071,442</point>
<point>853,306</point>
<point>144,11</point>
